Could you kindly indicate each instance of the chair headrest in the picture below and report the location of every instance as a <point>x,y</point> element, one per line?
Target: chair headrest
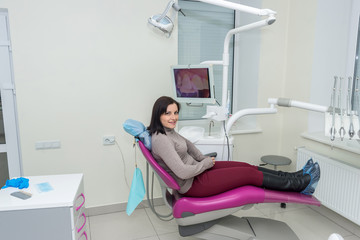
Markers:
<point>138,130</point>
<point>165,176</point>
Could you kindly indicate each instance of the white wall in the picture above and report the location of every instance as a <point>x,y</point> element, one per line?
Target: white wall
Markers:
<point>298,72</point>
<point>81,69</point>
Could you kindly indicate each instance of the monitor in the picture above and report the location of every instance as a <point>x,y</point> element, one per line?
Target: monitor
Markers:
<point>193,83</point>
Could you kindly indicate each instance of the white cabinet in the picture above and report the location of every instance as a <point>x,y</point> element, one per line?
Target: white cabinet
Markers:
<point>57,214</point>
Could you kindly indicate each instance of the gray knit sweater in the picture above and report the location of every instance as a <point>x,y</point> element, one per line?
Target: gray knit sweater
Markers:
<point>179,157</point>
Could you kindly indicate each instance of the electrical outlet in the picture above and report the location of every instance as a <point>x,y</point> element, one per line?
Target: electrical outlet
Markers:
<point>47,144</point>
<point>109,140</point>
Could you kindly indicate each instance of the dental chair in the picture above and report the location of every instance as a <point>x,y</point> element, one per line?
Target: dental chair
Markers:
<point>210,217</point>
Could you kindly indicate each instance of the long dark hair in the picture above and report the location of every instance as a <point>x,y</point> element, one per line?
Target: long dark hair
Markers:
<point>159,108</point>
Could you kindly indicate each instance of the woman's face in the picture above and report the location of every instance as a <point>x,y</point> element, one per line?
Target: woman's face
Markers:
<point>170,117</point>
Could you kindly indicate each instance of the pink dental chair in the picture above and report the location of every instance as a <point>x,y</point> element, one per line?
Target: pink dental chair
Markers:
<point>210,217</point>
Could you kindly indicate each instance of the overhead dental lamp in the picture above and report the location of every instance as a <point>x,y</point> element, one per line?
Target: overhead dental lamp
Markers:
<point>164,22</point>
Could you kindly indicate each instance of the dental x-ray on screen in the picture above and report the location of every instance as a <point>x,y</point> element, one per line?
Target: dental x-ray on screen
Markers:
<point>193,83</point>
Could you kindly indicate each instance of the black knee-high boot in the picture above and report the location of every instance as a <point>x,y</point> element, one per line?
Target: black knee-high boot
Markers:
<point>293,184</point>
<point>281,173</point>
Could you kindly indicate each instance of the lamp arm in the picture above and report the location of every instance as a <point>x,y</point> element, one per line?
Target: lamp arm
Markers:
<point>226,55</point>
<point>286,102</point>
<point>225,61</point>
<point>228,37</point>
<point>214,62</point>
<point>240,7</point>
<point>246,112</point>
<point>243,8</point>
<point>168,7</point>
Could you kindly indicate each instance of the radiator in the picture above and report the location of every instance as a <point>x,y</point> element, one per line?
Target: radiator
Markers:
<point>339,185</point>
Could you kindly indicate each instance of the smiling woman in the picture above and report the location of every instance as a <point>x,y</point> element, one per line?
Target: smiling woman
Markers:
<point>165,113</point>
<point>170,117</point>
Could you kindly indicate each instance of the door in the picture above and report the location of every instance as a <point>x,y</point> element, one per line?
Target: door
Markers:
<point>10,162</point>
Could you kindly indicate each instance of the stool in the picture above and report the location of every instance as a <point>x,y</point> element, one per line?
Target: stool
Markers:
<point>276,160</point>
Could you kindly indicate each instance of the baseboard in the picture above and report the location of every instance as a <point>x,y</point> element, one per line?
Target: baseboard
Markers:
<point>118,207</point>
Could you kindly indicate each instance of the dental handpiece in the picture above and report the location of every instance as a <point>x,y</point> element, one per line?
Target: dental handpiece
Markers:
<point>342,129</point>
<point>357,102</point>
<point>349,109</point>
<point>333,100</point>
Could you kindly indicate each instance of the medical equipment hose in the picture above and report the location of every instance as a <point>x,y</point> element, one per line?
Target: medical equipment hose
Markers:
<point>165,11</point>
<point>124,169</point>
<point>151,200</point>
<point>227,141</point>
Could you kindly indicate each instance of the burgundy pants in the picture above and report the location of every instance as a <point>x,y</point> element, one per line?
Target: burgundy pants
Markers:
<point>224,176</point>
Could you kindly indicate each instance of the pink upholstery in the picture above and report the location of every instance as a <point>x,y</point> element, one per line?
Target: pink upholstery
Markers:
<point>238,197</point>
<point>230,199</point>
<point>169,180</point>
<point>272,196</point>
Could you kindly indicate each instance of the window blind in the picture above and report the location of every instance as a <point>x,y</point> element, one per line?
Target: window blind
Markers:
<point>201,35</point>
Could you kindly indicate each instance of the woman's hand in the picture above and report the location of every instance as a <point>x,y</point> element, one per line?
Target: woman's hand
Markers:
<point>213,159</point>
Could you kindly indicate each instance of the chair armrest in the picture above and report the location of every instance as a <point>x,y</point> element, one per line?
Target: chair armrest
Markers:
<point>212,154</point>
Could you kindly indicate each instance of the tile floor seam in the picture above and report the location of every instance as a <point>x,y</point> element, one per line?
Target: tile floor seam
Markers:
<point>152,224</point>
<point>90,228</point>
<point>353,234</point>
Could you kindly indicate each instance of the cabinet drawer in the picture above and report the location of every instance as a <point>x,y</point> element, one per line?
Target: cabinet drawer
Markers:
<point>83,236</point>
<point>81,229</point>
<point>79,206</point>
<point>79,201</point>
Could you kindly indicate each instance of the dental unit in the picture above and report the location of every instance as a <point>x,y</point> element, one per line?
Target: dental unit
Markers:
<point>210,217</point>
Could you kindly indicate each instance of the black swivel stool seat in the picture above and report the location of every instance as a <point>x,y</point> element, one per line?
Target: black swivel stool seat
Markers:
<point>276,160</point>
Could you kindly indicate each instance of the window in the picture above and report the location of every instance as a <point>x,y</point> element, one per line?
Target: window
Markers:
<point>10,162</point>
<point>331,38</point>
<point>201,38</point>
<point>336,37</point>
<point>355,41</point>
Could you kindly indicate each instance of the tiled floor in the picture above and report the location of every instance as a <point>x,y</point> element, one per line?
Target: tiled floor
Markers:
<point>309,223</point>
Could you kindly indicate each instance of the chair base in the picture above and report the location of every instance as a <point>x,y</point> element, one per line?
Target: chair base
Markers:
<point>245,228</point>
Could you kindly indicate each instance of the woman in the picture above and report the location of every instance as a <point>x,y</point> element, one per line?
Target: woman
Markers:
<point>200,176</point>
